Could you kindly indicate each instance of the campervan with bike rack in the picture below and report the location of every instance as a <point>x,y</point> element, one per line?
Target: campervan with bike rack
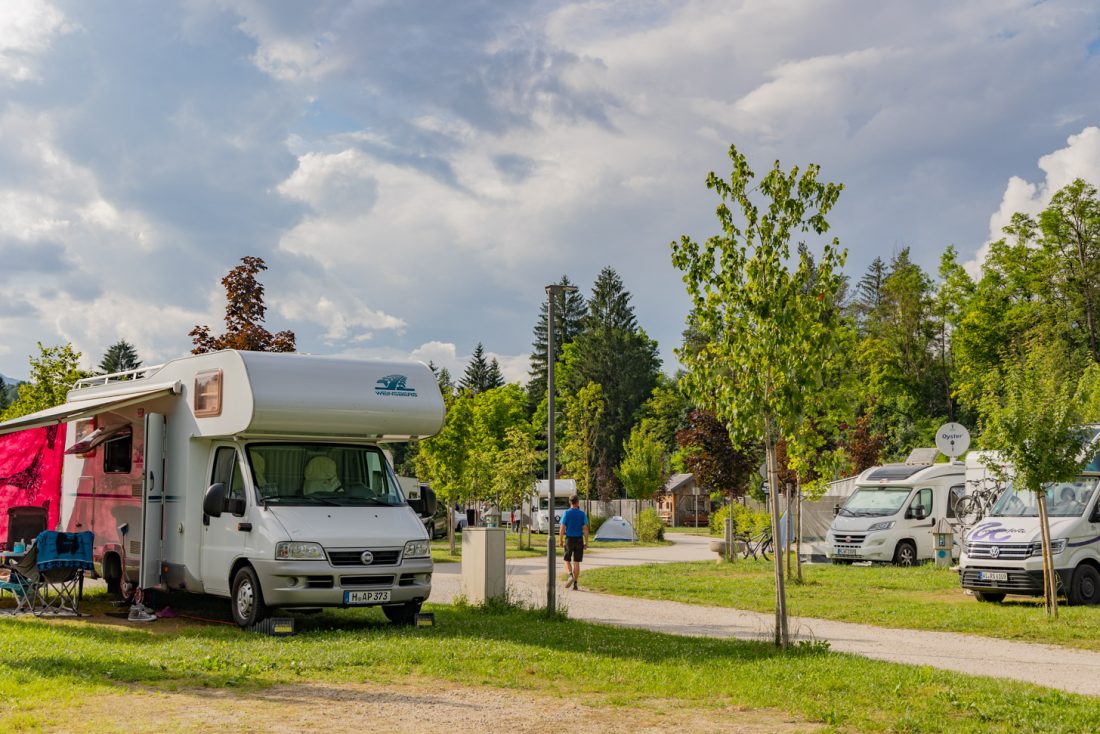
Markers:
<point>1002,554</point>
<point>253,476</point>
<point>892,514</point>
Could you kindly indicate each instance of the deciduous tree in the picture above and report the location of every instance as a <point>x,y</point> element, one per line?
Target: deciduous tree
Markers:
<point>53,374</point>
<point>244,316</point>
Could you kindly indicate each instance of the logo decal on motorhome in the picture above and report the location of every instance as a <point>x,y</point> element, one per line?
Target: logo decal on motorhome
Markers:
<point>394,385</point>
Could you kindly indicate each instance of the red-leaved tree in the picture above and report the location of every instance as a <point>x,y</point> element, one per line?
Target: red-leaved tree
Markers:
<point>244,316</point>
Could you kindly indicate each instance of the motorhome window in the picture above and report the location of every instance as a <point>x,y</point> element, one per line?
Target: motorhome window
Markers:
<point>1064,499</point>
<point>227,471</point>
<point>875,501</point>
<point>322,474</point>
<point>208,394</point>
<point>953,496</point>
<point>560,502</point>
<point>117,454</point>
<point>923,500</point>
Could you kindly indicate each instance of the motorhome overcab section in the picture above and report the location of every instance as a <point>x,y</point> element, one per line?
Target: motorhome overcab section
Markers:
<point>1002,554</point>
<point>893,512</point>
<point>252,476</point>
<point>563,488</point>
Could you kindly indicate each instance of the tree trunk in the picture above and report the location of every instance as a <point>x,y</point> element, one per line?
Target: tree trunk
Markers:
<point>798,526</point>
<point>782,637</point>
<point>787,531</point>
<point>451,527</point>
<point>1050,581</point>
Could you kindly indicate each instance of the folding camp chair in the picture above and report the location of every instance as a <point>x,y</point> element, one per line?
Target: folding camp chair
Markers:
<point>23,582</point>
<point>62,560</point>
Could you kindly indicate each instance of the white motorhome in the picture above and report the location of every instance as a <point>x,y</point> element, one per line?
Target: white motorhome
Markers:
<point>540,517</point>
<point>252,476</point>
<point>893,512</point>
<point>1003,554</point>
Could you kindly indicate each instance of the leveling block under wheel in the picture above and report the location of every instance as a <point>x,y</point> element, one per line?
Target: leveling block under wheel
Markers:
<point>424,619</point>
<point>276,626</point>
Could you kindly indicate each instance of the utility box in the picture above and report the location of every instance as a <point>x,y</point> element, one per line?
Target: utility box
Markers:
<point>483,569</point>
<point>942,541</point>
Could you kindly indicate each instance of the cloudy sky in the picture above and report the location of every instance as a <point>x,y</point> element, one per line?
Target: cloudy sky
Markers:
<point>415,172</point>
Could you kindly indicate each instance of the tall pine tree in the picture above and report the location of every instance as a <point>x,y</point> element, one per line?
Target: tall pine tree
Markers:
<point>119,357</point>
<point>481,374</point>
<point>569,316</point>
<point>619,357</point>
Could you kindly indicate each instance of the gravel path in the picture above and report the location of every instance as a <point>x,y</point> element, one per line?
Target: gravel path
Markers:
<point>1077,671</point>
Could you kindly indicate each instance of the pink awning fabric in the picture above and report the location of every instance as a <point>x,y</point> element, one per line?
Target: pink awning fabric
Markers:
<point>30,472</point>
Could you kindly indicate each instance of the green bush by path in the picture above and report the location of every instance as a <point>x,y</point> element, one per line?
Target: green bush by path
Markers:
<point>649,527</point>
<point>66,663</point>
<point>745,521</point>
<point>923,597</point>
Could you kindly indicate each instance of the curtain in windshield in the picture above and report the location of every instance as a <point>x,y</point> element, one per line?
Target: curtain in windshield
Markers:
<point>875,501</point>
<point>289,473</point>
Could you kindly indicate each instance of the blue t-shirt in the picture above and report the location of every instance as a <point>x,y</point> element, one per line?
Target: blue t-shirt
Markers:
<point>574,520</point>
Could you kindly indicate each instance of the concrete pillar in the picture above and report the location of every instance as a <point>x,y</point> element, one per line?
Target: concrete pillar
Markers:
<point>483,569</point>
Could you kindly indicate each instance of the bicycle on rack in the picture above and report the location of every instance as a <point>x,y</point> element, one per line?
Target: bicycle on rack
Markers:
<point>756,545</point>
<point>972,507</point>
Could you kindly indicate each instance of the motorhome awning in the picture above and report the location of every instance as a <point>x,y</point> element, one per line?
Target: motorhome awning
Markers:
<point>120,398</point>
<point>99,436</point>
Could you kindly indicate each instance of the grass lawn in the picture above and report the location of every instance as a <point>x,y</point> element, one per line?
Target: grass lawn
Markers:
<point>923,597</point>
<point>441,549</point>
<point>701,530</point>
<point>51,668</point>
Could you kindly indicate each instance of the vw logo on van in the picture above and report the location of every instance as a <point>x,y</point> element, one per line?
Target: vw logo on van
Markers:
<point>367,558</point>
<point>994,551</point>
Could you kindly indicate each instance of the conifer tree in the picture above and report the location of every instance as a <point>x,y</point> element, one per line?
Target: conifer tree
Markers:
<point>493,376</point>
<point>477,372</point>
<point>569,316</point>
<point>119,357</point>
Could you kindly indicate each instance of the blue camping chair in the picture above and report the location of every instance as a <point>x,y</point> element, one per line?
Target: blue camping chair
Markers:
<point>23,583</point>
<point>62,559</point>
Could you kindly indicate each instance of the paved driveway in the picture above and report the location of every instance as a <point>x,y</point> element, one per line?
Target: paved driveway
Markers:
<point>1046,665</point>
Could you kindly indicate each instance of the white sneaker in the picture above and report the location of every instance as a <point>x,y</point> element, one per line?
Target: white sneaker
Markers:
<point>139,613</point>
<point>569,581</point>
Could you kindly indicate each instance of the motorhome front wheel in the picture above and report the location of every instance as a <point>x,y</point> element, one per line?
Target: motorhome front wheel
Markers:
<point>248,600</point>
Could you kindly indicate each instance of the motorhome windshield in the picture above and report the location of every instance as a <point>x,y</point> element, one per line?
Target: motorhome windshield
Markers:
<point>322,474</point>
<point>560,503</point>
<point>1064,499</point>
<point>875,501</point>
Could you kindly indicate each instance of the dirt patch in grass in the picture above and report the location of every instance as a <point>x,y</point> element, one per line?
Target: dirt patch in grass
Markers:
<point>426,707</point>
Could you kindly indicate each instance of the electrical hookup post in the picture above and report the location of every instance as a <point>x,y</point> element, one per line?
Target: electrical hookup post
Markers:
<point>952,440</point>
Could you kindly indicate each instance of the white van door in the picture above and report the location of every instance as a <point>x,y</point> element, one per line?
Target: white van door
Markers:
<point>222,538</point>
<point>920,530</point>
<point>152,505</point>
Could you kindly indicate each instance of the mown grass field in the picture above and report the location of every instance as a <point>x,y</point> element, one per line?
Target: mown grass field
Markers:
<point>50,667</point>
<point>441,549</point>
<point>923,597</point>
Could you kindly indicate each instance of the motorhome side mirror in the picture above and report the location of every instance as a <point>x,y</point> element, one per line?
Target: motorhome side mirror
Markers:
<point>836,509</point>
<point>431,502</point>
<point>235,506</point>
<point>213,502</point>
<point>918,512</point>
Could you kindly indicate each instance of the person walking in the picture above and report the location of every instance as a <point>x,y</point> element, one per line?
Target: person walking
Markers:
<point>573,536</point>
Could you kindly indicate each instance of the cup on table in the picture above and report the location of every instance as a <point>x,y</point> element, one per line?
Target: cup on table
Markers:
<point>18,548</point>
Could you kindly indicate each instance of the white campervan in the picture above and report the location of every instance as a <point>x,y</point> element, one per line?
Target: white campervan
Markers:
<point>893,512</point>
<point>1003,554</point>
<point>253,476</point>
<point>540,518</point>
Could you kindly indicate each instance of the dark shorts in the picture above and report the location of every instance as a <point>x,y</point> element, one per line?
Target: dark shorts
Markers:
<point>574,549</point>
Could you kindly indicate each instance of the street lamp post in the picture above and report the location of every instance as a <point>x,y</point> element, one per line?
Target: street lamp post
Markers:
<point>552,291</point>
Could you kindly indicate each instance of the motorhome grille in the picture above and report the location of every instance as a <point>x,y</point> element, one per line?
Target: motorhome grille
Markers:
<point>347,581</point>
<point>387,557</point>
<point>1004,552</point>
<point>1017,580</point>
<point>319,582</point>
<point>849,538</point>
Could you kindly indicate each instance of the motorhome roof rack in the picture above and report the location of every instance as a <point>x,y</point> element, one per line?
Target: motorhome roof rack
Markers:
<point>134,374</point>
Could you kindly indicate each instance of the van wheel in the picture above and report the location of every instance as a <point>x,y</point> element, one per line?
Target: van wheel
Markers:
<point>402,614</point>
<point>1085,586</point>
<point>430,527</point>
<point>841,562</point>
<point>992,597</point>
<point>247,601</point>
<point>905,554</point>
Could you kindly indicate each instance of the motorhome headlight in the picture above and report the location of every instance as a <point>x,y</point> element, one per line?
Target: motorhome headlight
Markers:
<point>881,526</point>
<point>1056,547</point>
<point>418,549</point>
<point>294,551</point>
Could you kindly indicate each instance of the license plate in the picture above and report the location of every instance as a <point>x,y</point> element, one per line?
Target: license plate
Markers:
<point>366,597</point>
<point>847,551</point>
<point>993,575</point>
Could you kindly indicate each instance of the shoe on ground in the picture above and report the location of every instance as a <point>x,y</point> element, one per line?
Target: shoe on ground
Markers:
<point>569,581</point>
<point>138,613</point>
<point>575,588</point>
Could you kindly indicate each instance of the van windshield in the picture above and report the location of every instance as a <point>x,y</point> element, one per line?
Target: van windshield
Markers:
<point>1064,499</point>
<point>322,474</point>
<point>875,501</point>
<point>560,502</point>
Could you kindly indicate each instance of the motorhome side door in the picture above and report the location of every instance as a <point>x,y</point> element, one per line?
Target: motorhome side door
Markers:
<point>223,538</point>
<point>921,529</point>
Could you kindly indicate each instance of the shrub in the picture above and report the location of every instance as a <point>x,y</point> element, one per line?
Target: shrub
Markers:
<point>745,521</point>
<point>649,526</point>
<point>594,524</point>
